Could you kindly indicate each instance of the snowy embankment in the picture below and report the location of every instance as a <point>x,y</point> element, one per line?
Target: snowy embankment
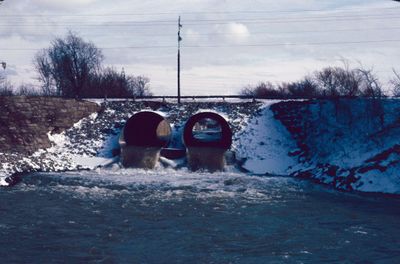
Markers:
<point>349,145</point>
<point>264,143</point>
<point>93,141</point>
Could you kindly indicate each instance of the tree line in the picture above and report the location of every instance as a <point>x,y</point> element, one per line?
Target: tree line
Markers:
<point>330,82</point>
<point>72,68</point>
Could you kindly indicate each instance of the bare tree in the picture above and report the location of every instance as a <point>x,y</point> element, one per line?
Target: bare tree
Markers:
<point>338,81</point>
<point>43,66</point>
<point>372,89</point>
<point>110,83</point>
<point>68,65</point>
<point>327,82</point>
<point>370,85</point>
<point>305,88</point>
<point>27,90</point>
<point>248,90</point>
<point>395,81</point>
<point>6,88</point>
<point>139,85</point>
<point>265,90</point>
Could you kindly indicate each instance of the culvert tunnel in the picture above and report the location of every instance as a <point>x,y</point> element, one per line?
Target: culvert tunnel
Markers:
<point>142,138</point>
<point>207,136</point>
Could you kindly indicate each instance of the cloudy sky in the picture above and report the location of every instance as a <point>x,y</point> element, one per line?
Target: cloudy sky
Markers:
<point>226,45</point>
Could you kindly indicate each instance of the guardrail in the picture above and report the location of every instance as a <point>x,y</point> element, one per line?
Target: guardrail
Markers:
<point>223,97</point>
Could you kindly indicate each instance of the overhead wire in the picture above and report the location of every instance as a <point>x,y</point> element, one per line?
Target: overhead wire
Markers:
<point>200,22</point>
<point>182,12</point>
<point>213,34</point>
<point>263,18</point>
<point>231,46</point>
<point>323,17</point>
<point>116,35</point>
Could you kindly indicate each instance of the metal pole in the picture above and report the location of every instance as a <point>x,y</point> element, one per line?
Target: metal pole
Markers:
<point>3,64</point>
<point>179,76</point>
<point>179,59</point>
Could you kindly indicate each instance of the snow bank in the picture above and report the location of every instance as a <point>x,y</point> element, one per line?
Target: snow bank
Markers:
<point>350,144</point>
<point>93,141</point>
<point>264,144</point>
<point>356,148</point>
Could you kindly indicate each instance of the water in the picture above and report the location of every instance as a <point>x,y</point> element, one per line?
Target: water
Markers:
<point>134,216</point>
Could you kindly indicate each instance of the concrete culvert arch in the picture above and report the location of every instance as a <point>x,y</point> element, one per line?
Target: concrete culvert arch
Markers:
<point>147,129</point>
<point>207,136</point>
<point>142,138</point>
<point>223,140</point>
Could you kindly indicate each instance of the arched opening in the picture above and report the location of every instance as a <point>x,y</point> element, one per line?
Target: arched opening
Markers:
<point>142,138</point>
<point>147,129</point>
<point>207,136</point>
<point>207,129</point>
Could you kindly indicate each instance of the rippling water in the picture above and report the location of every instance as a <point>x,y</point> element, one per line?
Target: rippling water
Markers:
<point>134,216</point>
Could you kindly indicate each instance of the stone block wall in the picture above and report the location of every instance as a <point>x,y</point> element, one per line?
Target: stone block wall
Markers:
<point>25,121</point>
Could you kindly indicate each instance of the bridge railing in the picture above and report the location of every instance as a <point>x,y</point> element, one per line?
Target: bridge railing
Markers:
<point>193,97</point>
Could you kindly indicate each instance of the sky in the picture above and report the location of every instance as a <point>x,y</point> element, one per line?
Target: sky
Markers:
<point>227,44</point>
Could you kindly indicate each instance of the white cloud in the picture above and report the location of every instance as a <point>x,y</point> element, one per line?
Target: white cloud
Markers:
<point>191,35</point>
<point>232,32</point>
<point>207,70</point>
<point>60,4</point>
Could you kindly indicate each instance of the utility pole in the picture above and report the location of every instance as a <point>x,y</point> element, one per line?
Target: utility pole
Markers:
<point>3,64</point>
<point>179,59</point>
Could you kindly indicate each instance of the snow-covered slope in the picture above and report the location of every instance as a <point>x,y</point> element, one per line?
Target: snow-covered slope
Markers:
<point>263,145</point>
<point>350,144</point>
<point>93,141</point>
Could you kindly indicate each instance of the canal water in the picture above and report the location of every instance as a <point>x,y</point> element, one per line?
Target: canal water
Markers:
<point>168,216</point>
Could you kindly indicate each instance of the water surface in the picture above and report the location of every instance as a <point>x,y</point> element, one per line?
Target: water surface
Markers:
<point>165,216</point>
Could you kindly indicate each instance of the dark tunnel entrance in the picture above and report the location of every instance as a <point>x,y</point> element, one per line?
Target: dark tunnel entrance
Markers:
<point>142,138</point>
<point>147,129</point>
<point>207,136</point>
<point>207,129</point>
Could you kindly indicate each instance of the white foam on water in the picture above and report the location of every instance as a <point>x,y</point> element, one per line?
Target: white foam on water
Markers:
<point>3,181</point>
<point>161,184</point>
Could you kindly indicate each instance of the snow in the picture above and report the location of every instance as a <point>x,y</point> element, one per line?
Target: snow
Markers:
<point>376,181</point>
<point>353,135</point>
<point>260,142</point>
<point>91,162</point>
<point>111,143</point>
<point>3,181</point>
<point>347,139</point>
<point>92,142</point>
<point>265,144</point>
<point>60,147</point>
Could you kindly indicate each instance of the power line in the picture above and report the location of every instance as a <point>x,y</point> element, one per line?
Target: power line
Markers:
<point>214,21</point>
<point>299,44</point>
<point>232,46</point>
<point>182,12</point>
<point>224,34</point>
<point>200,22</point>
<point>250,19</point>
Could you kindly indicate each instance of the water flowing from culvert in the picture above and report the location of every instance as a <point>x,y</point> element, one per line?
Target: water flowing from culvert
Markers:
<point>168,216</point>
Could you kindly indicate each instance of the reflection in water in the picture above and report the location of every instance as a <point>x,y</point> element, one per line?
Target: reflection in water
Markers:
<point>207,130</point>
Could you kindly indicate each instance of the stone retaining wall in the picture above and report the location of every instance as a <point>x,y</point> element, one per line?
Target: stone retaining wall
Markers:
<point>25,121</point>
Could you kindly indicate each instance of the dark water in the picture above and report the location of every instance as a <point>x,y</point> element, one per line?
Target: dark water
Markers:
<point>133,216</point>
